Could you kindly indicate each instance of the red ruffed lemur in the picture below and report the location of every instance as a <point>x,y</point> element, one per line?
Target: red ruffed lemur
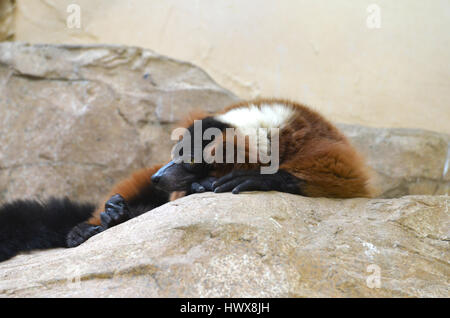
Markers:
<point>313,159</point>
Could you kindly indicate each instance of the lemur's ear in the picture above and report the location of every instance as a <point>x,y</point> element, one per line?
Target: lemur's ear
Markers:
<point>188,120</point>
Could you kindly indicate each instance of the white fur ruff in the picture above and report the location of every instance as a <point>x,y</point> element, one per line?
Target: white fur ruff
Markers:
<point>248,120</point>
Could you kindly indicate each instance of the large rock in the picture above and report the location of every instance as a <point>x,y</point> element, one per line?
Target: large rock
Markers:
<point>75,119</point>
<point>404,161</point>
<point>253,245</point>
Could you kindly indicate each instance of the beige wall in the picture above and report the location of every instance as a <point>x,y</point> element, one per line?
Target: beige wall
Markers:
<point>319,52</point>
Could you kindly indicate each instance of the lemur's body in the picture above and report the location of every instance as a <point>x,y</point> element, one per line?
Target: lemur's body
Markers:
<point>315,160</point>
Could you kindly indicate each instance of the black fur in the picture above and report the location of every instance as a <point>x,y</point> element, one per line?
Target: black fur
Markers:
<point>28,225</point>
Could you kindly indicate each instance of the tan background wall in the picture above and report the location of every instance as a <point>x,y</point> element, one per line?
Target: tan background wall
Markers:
<point>319,52</point>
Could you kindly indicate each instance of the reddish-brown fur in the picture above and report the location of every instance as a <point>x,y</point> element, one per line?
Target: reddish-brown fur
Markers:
<point>311,148</point>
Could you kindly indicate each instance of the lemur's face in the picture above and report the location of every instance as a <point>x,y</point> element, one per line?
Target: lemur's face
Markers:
<point>218,149</point>
<point>179,174</point>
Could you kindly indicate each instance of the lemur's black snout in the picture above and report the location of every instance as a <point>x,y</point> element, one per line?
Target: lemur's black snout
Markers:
<point>157,176</point>
<point>172,177</point>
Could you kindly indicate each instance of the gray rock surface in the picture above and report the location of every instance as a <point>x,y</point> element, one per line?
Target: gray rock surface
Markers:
<point>253,245</point>
<point>404,161</point>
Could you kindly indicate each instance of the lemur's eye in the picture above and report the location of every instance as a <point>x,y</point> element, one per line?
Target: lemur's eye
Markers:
<point>194,167</point>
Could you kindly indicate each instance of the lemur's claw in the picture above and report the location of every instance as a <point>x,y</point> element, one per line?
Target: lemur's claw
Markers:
<point>203,185</point>
<point>81,233</point>
<point>116,212</point>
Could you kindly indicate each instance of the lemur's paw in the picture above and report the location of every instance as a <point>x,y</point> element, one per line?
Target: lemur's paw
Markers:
<point>243,180</point>
<point>116,212</point>
<point>203,185</point>
<point>81,233</point>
